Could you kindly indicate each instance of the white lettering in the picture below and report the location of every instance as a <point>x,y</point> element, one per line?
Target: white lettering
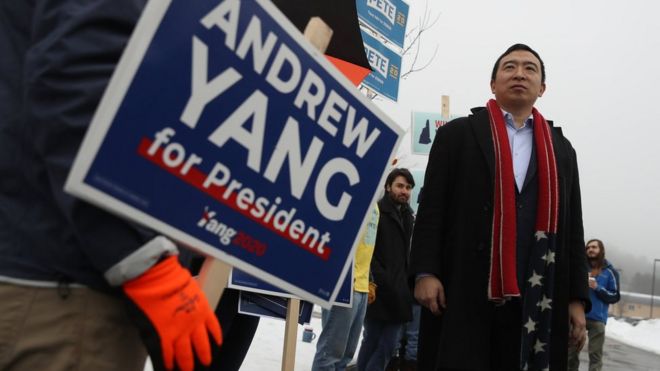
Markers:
<point>311,80</point>
<point>359,132</point>
<point>332,167</point>
<point>252,39</point>
<point>162,137</point>
<point>255,106</point>
<point>225,17</point>
<point>204,91</point>
<point>284,55</point>
<point>212,178</point>
<point>329,111</point>
<point>385,7</point>
<point>377,60</point>
<point>288,146</point>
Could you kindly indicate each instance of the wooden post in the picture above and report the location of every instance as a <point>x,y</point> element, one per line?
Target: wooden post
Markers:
<point>290,335</point>
<point>319,34</point>
<point>214,277</point>
<point>445,107</point>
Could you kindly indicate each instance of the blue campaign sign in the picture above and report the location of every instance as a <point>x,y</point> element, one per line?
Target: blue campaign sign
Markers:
<point>244,281</point>
<point>225,130</point>
<point>271,306</point>
<point>386,66</point>
<point>388,17</point>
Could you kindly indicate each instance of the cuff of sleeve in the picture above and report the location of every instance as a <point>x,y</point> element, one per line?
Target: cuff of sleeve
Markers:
<point>419,276</point>
<point>140,260</point>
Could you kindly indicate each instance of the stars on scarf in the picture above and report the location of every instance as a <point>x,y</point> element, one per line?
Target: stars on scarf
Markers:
<point>549,257</point>
<point>545,303</point>
<point>535,279</point>
<point>530,325</point>
<point>538,347</point>
<point>540,235</point>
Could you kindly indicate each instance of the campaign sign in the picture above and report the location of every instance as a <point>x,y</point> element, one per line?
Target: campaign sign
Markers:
<point>388,17</point>
<point>262,305</point>
<point>225,130</point>
<point>244,281</point>
<point>385,65</point>
<point>424,126</point>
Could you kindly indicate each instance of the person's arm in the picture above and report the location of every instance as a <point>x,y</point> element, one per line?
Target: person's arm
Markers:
<point>579,302</point>
<point>577,335</point>
<point>75,48</point>
<point>577,258</point>
<point>610,292</point>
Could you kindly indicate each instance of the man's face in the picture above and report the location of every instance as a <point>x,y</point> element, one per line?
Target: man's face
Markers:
<point>593,250</point>
<point>399,190</point>
<point>518,80</point>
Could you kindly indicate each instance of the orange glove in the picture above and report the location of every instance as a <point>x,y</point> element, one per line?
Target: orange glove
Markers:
<point>177,309</point>
<point>371,296</point>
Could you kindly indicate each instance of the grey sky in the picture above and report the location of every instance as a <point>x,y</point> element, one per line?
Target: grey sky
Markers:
<point>603,78</point>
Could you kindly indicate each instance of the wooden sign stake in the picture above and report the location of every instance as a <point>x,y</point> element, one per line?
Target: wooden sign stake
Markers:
<point>445,107</point>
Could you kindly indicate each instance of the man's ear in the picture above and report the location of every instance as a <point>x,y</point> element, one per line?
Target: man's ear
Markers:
<point>542,90</point>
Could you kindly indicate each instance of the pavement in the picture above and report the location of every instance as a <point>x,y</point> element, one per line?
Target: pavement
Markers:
<point>621,357</point>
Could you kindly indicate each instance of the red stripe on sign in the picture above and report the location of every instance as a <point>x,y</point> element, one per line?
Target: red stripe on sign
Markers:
<point>196,178</point>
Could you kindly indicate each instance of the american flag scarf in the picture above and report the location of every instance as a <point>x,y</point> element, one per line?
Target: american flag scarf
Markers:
<point>503,285</point>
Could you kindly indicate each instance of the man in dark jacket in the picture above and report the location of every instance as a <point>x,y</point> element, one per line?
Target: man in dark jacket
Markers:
<point>603,291</point>
<point>393,304</point>
<point>497,254</point>
<point>67,267</point>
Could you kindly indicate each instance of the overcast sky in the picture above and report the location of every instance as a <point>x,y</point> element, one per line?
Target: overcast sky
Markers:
<point>603,88</point>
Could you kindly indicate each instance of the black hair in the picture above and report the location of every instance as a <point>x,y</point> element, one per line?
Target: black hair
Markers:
<point>512,49</point>
<point>396,173</point>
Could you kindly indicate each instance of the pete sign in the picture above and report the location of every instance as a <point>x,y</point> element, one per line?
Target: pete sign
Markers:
<point>387,17</point>
<point>223,129</point>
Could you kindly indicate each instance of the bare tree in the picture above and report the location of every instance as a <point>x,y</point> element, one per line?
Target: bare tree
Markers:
<point>414,42</point>
<point>413,46</point>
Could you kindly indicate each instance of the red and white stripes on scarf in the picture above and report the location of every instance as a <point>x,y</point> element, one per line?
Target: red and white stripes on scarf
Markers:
<point>503,278</point>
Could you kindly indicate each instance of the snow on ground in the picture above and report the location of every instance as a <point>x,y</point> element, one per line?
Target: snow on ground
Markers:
<point>645,335</point>
<point>265,353</point>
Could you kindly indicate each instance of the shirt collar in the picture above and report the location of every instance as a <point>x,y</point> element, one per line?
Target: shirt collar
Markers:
<point>508,118</point>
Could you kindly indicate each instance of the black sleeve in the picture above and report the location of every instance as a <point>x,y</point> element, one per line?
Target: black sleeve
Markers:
<point>428,230</point>
<point>75,47</point>
<point>579,268</point>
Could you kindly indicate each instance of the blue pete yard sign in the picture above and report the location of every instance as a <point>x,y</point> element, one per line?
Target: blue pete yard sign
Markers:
<point>385,65</point>
<point>224,130</point>
<point>388,17</point>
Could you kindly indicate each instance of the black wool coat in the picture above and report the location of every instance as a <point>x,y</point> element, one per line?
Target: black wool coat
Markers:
<point>452,237</point>
<point>389,264</point>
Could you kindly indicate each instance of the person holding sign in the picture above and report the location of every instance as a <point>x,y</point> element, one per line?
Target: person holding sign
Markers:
<point>393,304</point>
<point>67,268</point>
<point>342,326</point>
<point>497,253</point>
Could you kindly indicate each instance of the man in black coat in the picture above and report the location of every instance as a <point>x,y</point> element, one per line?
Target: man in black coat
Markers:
<point>485,184</point>
<point>393,304</point>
